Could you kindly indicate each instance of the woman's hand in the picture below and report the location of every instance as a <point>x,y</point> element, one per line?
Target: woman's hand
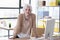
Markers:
<point>12,38</point>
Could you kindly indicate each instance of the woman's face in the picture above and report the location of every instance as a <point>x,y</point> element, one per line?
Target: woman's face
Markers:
<point>27,10</point>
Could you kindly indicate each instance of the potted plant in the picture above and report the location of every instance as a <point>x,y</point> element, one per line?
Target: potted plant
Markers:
<point>9,25</point>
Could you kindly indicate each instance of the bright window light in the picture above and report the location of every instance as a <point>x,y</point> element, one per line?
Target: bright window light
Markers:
<point>4,13</point>
<point>23,2</point>
<point>9,3</point>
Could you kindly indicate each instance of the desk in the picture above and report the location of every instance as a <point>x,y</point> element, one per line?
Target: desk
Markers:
<point>55,38</point>
<point>18,39</point>
<point>8,29</point>
<point>38,31</point>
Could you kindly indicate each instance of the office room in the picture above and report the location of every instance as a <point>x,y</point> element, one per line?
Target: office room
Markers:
<point>29,19</point>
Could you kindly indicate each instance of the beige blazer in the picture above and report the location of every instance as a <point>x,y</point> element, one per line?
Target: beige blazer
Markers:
<point>18,28</point>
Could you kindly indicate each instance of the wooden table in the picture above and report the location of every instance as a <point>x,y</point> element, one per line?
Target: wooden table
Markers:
<point>55,38</point>
<point>18,39</point>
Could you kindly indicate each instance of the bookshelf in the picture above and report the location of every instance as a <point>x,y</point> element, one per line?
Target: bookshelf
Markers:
<point>49,8</point>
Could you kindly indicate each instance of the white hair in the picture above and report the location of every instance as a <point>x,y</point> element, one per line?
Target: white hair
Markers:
<point>27,5</point>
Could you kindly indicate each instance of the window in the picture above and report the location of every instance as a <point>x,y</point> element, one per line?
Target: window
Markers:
<point>54,12</point>
<point>23,2</point>
<point>9,11</point>
<point>9,3</point>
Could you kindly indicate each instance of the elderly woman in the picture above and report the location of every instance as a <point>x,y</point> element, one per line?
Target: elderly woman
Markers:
<point>26,22</point>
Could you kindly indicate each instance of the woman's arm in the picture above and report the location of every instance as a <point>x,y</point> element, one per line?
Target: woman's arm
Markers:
<point>34,25</point>
<point>17,29</point>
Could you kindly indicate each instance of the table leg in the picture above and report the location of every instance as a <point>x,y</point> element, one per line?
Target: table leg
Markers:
<point>8,33</point>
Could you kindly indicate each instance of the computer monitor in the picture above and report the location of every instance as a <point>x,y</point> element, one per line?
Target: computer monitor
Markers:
<point>49,28</point>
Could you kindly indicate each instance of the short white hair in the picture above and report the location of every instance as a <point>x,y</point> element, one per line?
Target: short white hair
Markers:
<point>27,5</point>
